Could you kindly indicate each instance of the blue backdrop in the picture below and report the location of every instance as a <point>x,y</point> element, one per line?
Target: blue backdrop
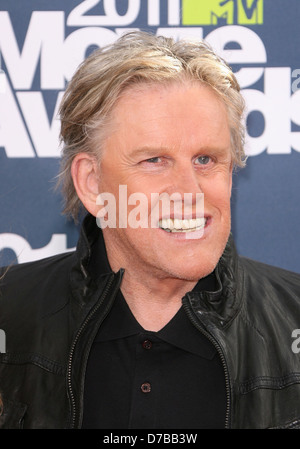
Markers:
<point>41,44</point>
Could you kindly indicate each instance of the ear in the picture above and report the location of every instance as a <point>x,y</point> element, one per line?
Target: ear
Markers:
<point>85,174</point>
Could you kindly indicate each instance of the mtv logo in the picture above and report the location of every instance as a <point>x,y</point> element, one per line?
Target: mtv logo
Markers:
<point>222,12</point>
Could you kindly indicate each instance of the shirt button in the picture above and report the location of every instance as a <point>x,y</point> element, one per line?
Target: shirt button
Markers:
<point>146,387</point>
<point>147,344</point>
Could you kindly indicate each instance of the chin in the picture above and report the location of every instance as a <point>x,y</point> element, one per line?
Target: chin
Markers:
<point>201,265</point>
<point>192,273</point>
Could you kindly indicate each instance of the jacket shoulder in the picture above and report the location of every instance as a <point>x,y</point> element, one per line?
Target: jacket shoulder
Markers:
<point>42,285</point>
<point>271,295</point>
<point>29,272</point>
<point>272,275</point>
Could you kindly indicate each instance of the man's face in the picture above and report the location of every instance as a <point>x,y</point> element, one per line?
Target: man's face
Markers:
<point>166,140</point>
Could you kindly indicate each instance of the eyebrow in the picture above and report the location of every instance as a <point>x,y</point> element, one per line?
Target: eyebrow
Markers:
<point>154,151</point>
<point>147,152</point>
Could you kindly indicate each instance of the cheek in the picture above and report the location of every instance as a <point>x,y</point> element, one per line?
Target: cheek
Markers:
<point>217,193</point>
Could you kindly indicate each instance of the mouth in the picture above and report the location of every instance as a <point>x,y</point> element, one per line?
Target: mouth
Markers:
<point>178,225</point>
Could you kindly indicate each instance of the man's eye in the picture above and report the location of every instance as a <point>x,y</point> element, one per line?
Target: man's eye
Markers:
<point>203,160</point>
<point>153,160</point>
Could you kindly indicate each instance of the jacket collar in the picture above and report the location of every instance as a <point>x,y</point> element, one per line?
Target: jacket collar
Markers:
<point>92,266</point>
<point>219,307</point>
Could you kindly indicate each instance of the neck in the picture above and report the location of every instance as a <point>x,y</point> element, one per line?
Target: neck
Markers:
<point>153,302</point>
<point>153,296</point>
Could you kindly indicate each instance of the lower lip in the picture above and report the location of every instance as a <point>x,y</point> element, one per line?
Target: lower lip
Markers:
<point>189,236</point>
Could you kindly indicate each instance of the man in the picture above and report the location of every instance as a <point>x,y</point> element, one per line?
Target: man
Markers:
<point>154,321</point>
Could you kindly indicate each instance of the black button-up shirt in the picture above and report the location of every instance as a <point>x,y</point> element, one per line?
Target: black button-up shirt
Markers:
<point>137,379</point>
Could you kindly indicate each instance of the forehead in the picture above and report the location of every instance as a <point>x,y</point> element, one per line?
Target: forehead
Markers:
<point>170,115</point>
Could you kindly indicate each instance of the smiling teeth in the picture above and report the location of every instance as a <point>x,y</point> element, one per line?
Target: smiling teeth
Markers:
<point>178,225</point>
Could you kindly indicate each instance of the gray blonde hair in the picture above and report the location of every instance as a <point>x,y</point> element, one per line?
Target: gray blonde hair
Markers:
<point>137,57</point>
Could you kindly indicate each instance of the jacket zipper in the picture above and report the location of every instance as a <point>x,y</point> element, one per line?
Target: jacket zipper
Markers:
<point>81,329</point>
<point>212,339</point>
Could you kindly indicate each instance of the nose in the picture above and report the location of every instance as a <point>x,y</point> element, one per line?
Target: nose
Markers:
<point>185,189</point>
<point>185,180</point>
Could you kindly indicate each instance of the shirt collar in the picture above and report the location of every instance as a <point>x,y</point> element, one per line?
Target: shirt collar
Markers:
<point>179,331</point>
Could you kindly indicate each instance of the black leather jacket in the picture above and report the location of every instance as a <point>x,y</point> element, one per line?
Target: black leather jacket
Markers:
<point>51,310</point>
